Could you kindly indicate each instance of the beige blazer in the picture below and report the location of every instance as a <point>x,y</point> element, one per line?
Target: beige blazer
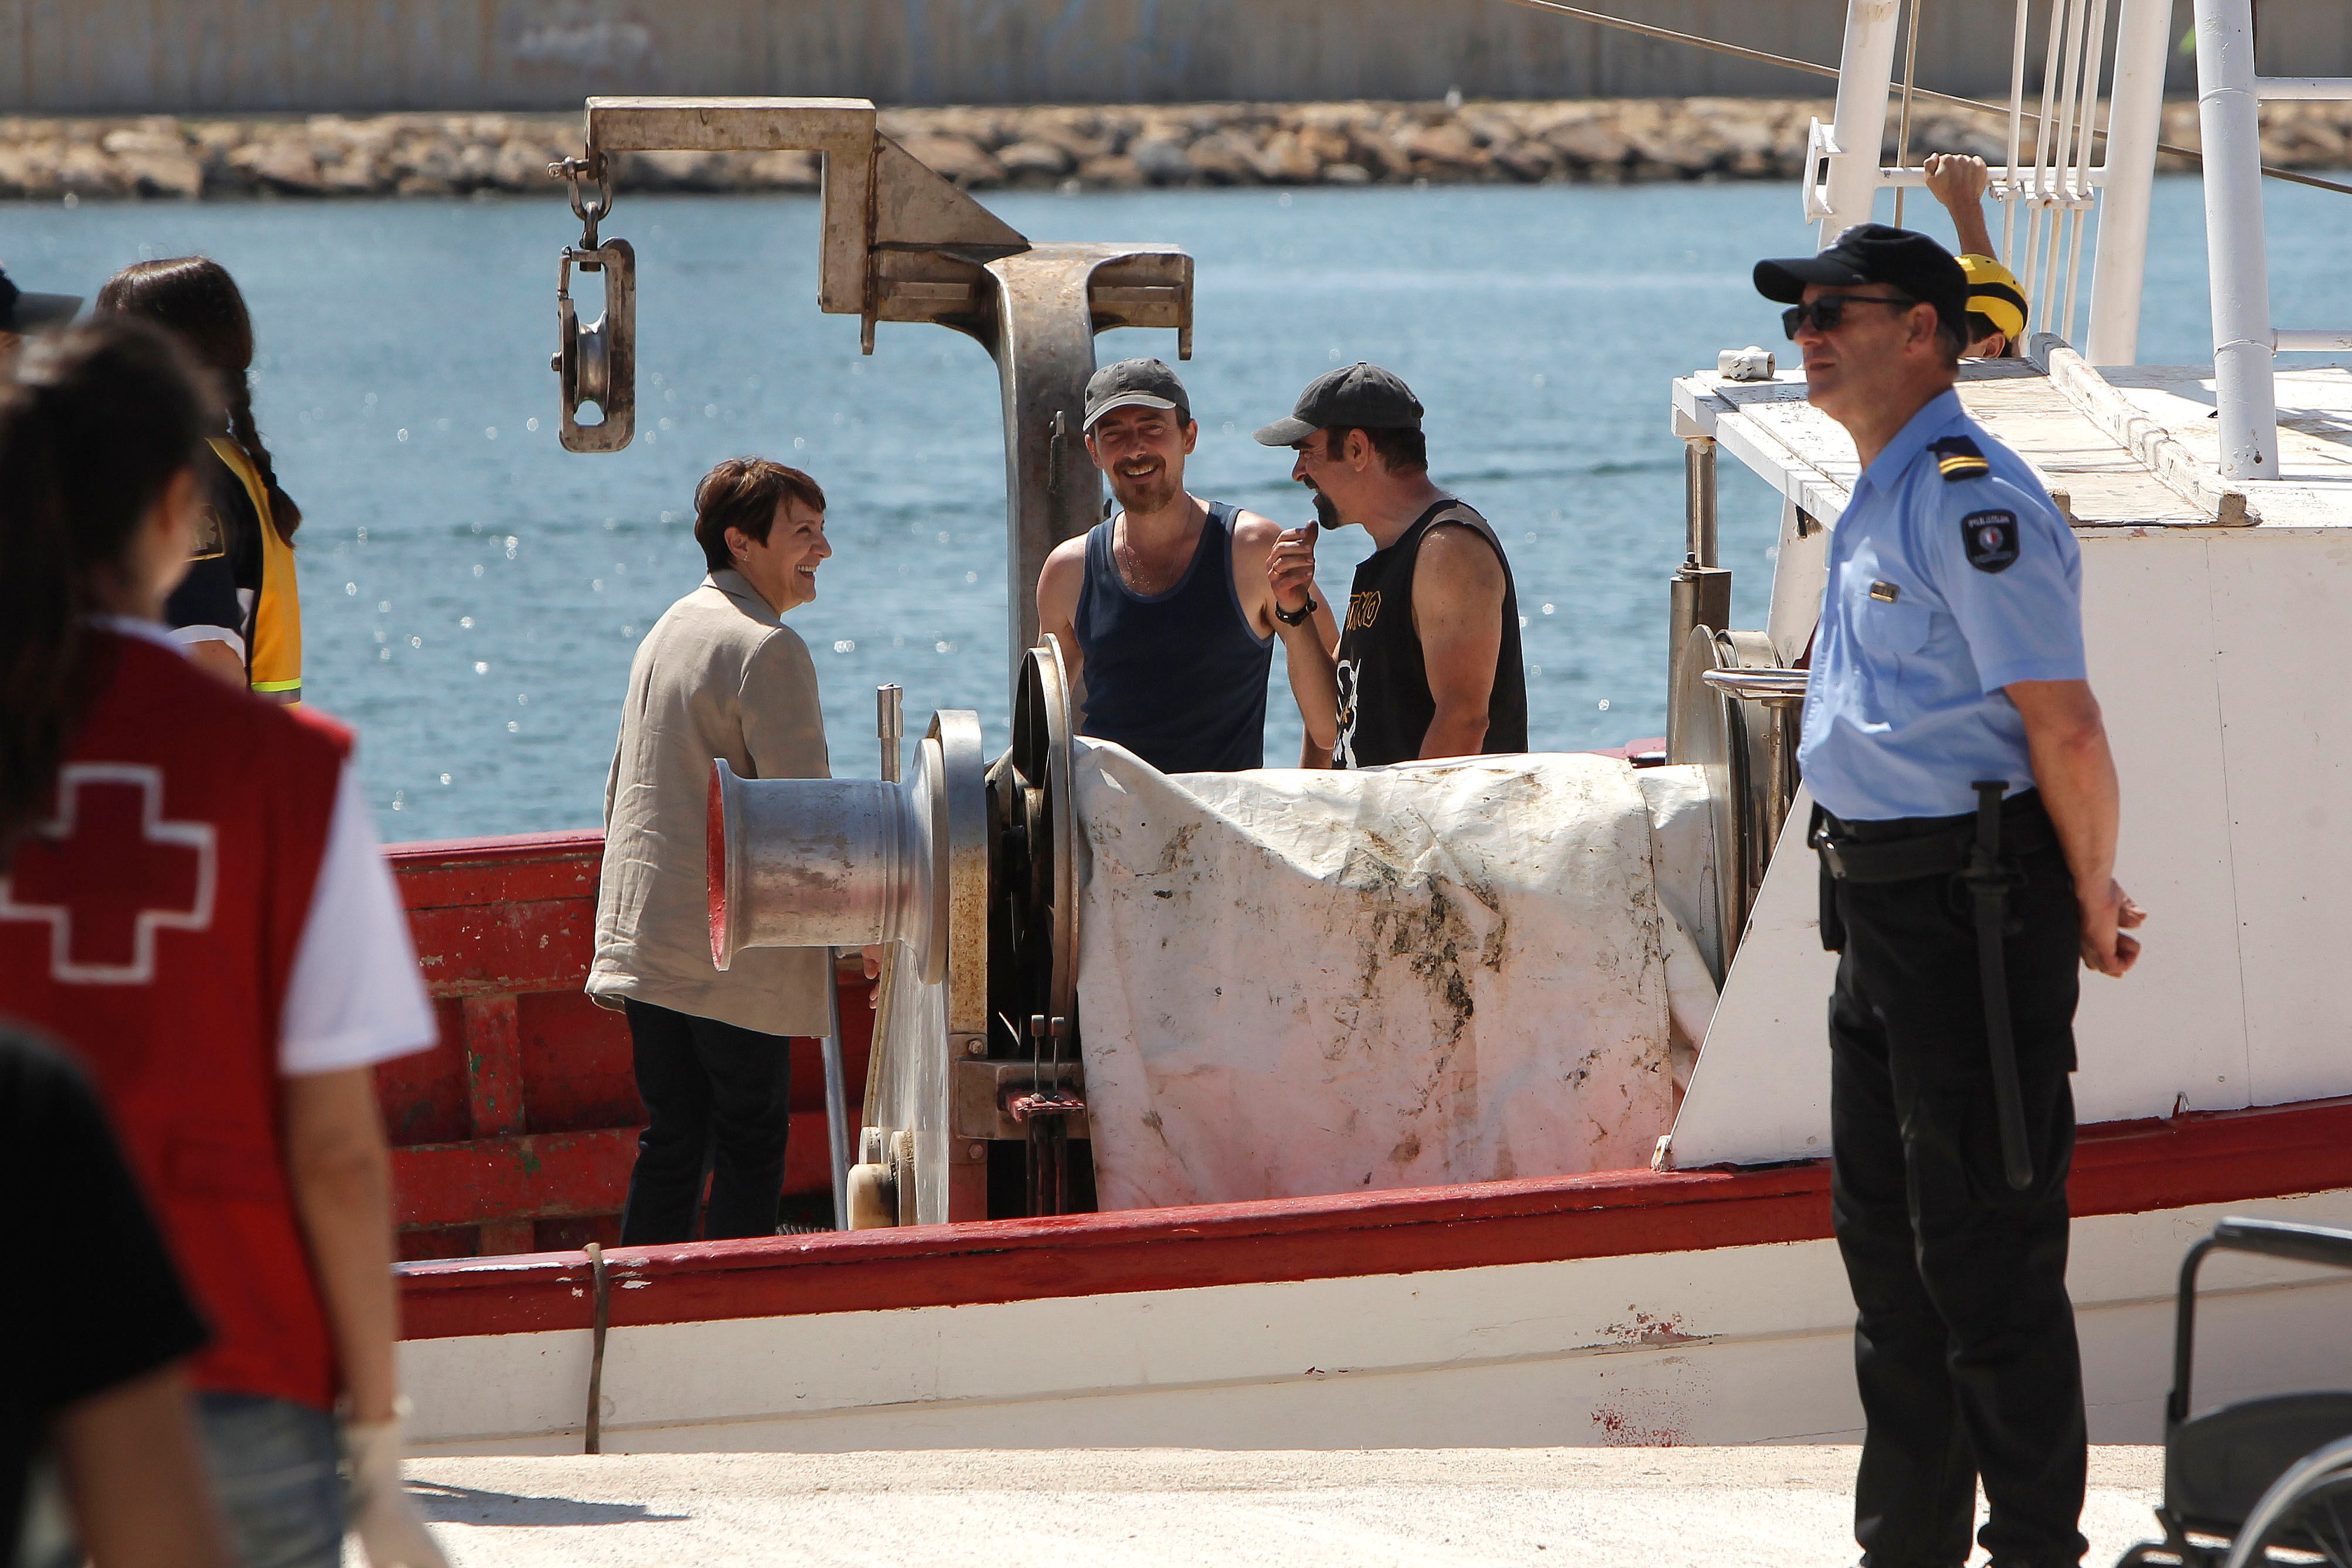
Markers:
<point>717,676</point>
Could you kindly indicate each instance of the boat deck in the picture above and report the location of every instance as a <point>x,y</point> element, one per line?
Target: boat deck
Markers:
<point>2125,446</point>
<point>1443,1508</point>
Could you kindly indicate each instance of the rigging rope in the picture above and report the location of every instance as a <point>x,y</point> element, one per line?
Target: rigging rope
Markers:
<point>1762,56</point>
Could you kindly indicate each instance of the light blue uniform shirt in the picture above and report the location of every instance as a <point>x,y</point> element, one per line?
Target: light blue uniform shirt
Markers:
<point>1941,592</point>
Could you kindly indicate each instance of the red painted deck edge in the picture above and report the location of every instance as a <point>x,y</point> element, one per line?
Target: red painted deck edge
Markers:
<point>478,873</point>
<point>498,847</point>
<point>2120,1168</point>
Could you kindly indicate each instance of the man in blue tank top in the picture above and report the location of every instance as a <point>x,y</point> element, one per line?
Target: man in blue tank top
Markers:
<point>1165,609</point>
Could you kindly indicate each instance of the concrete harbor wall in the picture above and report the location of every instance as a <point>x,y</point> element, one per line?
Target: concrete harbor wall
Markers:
<point>1609,141</point>
<point>243,56</point>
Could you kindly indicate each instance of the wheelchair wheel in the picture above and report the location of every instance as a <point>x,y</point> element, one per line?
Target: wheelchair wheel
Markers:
<point>2305,1517</point>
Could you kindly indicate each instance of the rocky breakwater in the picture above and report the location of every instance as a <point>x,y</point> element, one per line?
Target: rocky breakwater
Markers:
<point>1595,141</point>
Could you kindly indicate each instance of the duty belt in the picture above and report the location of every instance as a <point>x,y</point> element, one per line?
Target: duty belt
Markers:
<point>1973,858</point>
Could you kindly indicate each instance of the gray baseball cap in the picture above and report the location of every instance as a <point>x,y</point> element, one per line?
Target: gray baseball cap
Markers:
<point>23,312</point>
<point>1358,394</point>
<point>1135,383</point>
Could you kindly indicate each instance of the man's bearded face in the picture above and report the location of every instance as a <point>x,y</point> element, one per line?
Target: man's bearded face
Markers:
<point>1141,451</point>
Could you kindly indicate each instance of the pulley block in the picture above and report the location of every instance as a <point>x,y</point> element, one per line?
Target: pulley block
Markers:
<point>597,361</point>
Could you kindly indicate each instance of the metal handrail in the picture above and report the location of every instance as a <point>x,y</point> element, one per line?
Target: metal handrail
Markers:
<point>2320,341</point>
<point>2303,89</point>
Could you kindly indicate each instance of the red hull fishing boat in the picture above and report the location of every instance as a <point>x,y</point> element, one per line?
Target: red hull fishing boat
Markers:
<point>1111,1181</point>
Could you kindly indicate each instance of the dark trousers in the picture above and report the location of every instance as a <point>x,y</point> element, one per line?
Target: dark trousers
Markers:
<point>718,1098</point>
<point>1964,1338</point>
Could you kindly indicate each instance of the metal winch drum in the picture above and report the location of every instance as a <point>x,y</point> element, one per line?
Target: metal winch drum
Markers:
<point>963,872</point>
<point>838,863</point>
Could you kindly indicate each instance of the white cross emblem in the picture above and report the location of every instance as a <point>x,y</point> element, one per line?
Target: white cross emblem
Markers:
<point>108,872</point>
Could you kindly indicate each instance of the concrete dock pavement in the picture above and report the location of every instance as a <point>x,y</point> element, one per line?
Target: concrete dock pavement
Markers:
<point>1778,1507</point>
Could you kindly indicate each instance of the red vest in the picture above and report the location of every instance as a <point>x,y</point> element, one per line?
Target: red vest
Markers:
<point>150,923</point>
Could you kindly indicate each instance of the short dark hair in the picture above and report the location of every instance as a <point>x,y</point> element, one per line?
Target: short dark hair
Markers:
<point>745,493</point>
<point>1982,325</point>
<point>1401,451</point>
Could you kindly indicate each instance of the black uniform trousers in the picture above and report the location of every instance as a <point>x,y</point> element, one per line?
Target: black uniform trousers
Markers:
<point>1964,1338</point>
<point>717,1101</point>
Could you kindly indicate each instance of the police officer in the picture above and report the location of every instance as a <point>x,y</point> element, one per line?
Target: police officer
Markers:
<point>1966,818</point>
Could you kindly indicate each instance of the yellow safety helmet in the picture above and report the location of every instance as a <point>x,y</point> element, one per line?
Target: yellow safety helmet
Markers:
<point>1994,295</point>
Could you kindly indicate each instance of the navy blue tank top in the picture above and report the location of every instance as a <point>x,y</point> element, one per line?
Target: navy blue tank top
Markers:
<point>1178,678</point>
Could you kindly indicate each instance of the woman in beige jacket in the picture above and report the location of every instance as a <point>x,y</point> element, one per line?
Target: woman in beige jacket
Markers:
<point>717,676</point>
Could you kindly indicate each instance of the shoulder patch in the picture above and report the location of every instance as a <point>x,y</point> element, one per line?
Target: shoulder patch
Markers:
<point>1990,540</point>
<point>1958,457</point>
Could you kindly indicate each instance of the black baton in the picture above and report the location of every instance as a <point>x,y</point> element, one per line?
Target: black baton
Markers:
<point>1988,884</point>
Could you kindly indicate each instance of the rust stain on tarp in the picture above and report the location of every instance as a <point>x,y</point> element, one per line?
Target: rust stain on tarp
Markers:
<point>1176,852</point>
<point>1406,915</point>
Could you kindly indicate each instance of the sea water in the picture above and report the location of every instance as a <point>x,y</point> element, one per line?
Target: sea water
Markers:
<point>472,593</point>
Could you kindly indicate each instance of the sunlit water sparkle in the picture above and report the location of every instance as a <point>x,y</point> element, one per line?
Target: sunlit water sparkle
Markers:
<point>472,593</point>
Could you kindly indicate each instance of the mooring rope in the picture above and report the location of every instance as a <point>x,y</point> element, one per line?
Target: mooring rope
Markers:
<point>1808,68</point>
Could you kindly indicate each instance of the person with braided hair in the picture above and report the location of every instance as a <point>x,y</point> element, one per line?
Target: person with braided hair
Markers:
<point>238,611</point>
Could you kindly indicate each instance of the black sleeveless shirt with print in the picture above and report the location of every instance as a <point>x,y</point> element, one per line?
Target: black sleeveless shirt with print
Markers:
<point>1385,706</point>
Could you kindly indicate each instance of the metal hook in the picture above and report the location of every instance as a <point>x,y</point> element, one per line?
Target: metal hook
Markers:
<point>590,212</point>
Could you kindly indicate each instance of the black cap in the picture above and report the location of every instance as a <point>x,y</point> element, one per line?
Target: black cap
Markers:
<point>1874,253</point>
<point>23,312</point>
<point>1135,383</point>
<point>1358,394</point>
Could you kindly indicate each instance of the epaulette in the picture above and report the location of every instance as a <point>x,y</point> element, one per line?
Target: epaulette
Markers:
<point>1958,457</point>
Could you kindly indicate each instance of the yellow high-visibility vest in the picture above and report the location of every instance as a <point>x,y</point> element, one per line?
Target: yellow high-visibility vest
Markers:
<point>274,665</point>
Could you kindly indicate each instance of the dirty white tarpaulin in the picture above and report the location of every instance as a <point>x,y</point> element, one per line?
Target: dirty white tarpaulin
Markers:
<point>1295,982</point>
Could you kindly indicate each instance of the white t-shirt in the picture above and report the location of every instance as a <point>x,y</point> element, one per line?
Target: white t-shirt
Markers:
<point>355,997</point>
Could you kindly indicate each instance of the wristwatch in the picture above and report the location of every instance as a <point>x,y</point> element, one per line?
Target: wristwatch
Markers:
<point>1295,617</point>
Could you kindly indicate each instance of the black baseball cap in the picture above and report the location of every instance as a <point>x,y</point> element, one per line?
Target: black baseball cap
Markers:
<point>1875,252</point>
<point>22,312</point>
<point>1358,394</point>
<point>1135,383</point>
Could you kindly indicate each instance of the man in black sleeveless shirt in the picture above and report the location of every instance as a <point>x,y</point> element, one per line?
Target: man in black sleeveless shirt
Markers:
<point>1166,608</point>
<point>1428,664</point>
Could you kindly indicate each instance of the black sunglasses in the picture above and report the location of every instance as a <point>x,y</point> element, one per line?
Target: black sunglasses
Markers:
<point>1826,312</point>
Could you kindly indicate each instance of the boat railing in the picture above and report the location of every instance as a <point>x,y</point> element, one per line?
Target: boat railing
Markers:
<point>2046,197</point>
<point>2230,96</point>
<point>2046,191</point>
